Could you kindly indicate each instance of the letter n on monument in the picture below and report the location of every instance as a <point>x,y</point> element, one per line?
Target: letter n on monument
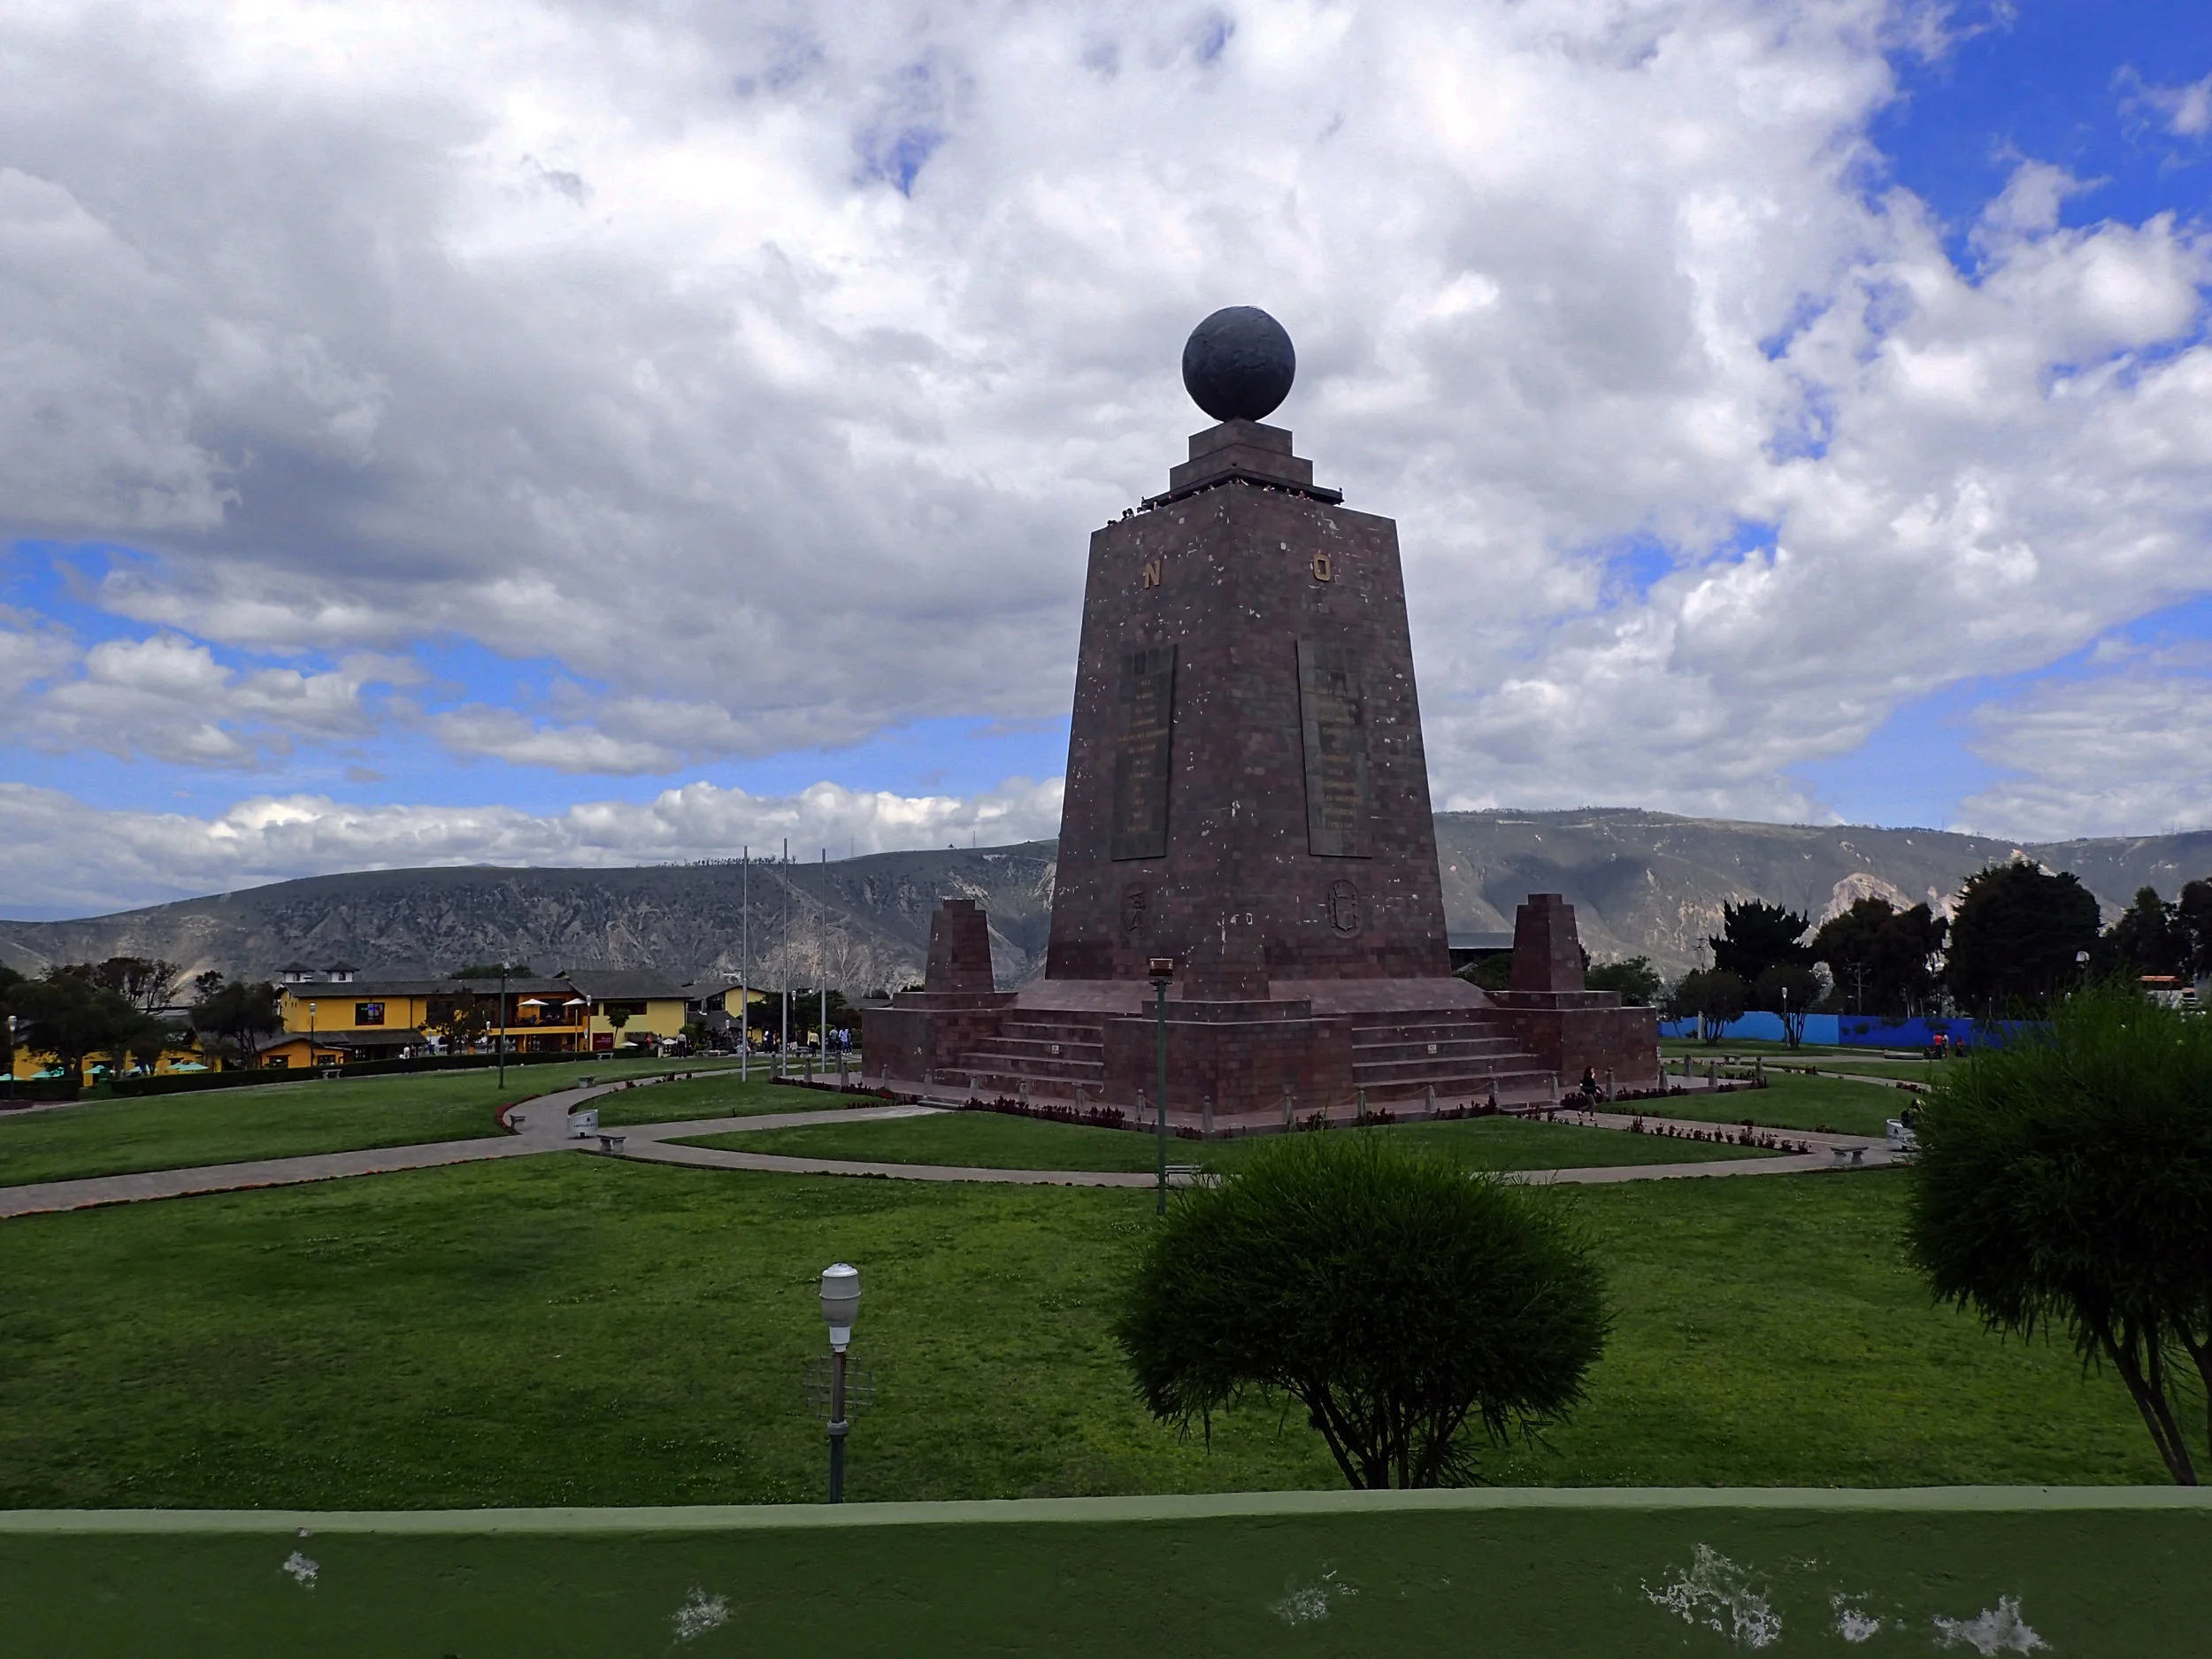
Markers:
<point>1143,743</point>
<point>1339,804</point>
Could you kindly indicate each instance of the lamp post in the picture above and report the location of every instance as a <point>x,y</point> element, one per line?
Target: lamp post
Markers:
<point>1163,973</point>
<point>841,1301</point>
<point>11,1031</point>
<point>310,1036</point>
<point>502,1025</point>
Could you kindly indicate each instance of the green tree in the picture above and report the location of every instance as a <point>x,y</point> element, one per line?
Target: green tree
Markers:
<point>1788,990</point>
<point>1883,960</point>
<point>1635,980</point>
<point>1492,973</point>
<point>457,1020</point>
<point>2064,1180</point>
<point>1755,935</point>
<point>806,1013</point>
<point>235,1015</point>
<point>70,1020</point>
<point>2193,910</point>
<point>9,979</point>
<point>1412,1307</point>
<point>2017,937</point>
<point>2149,938</point>
<point>1714,997</point>
<point>146,982</point>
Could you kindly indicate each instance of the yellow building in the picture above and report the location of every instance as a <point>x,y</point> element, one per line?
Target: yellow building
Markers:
<point>628,1007</point>
<point>339,1017</point>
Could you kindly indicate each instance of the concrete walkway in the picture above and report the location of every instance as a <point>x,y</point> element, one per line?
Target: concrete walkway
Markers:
<point>655,1143</point>
<point>541,1126</point>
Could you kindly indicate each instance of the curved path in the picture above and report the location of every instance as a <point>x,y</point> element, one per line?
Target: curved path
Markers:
<point>659,1144</point>
<point>541,1126</point>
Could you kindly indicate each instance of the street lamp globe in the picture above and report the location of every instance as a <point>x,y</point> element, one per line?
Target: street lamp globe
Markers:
<point>841,1301</point>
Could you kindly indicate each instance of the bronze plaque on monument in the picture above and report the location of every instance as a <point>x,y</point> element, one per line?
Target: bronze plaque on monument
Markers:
<point>1142,743</point>
<point>1339,804</point>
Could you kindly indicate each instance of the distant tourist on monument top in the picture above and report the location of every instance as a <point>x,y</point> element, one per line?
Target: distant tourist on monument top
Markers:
<point>1248,806</point>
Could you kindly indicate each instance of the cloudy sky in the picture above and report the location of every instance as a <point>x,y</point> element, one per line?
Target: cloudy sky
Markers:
<point>600,434</point>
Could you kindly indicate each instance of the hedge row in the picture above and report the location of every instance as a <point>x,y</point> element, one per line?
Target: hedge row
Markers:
<point>38,1088</point>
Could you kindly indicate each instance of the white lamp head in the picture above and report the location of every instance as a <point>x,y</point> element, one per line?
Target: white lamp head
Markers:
<point>841,1301</point>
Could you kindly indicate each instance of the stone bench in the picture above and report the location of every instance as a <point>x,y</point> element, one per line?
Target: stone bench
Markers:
<point>611,1143</point>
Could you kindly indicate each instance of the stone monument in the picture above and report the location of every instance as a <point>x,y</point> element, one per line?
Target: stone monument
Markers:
<point>1247,797</point>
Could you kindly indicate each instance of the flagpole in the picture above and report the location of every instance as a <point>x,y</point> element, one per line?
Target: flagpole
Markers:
<point>821,951</point>
<point>783,1050</point>
<point>745,969</point>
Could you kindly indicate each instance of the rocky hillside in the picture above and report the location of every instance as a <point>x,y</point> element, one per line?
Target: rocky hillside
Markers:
<point>1642,883</point>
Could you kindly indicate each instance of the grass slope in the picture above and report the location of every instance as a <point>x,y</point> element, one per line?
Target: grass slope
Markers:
<point>1793,1103</point>
<point>720,1095</point>
<point>587,1331</point>
<point>167,1131</point>
<point>987,1141</point>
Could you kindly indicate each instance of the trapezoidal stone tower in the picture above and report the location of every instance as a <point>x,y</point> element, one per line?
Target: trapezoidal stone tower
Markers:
<point>1248,796</point>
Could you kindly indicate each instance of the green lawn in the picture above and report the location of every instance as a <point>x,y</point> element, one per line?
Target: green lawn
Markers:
<point>990,1140</point>
<point>721,1095</point>
<point>162,1132</point>
<point>1792,1103</point>
<point>591,1331</point>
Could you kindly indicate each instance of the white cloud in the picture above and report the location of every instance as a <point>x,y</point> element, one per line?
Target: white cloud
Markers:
<point>637,736</point>
<point>69,857</point>
<point>2121,754</point>
<point>2004,470</point>
<point>2185,111</point>
<point>611,336</point>
<point>168,699</point>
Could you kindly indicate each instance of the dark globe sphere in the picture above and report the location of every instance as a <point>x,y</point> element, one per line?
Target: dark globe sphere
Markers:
<point>1238,365</point>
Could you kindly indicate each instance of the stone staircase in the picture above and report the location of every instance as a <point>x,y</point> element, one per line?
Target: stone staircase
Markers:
<point>1047,1057</point>
<point>1463,1054</point>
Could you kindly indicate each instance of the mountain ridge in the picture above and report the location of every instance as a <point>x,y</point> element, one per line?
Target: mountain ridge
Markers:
<point>1643,883</point>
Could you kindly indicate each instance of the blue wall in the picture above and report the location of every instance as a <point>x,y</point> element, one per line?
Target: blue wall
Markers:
<point>1853,1031</point>
<point>1758,1028</point>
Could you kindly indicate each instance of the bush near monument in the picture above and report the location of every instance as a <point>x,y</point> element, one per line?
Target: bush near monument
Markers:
<point>1408,1305</point>
<point>2064,1180</point>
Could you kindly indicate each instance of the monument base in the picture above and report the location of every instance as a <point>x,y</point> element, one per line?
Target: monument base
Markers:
<point>1333,1047</point>
<point>1341,1048</point>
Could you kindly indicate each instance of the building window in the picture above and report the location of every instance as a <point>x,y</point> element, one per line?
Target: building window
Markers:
<point>636,1010</point>
<point>368,1013</point>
